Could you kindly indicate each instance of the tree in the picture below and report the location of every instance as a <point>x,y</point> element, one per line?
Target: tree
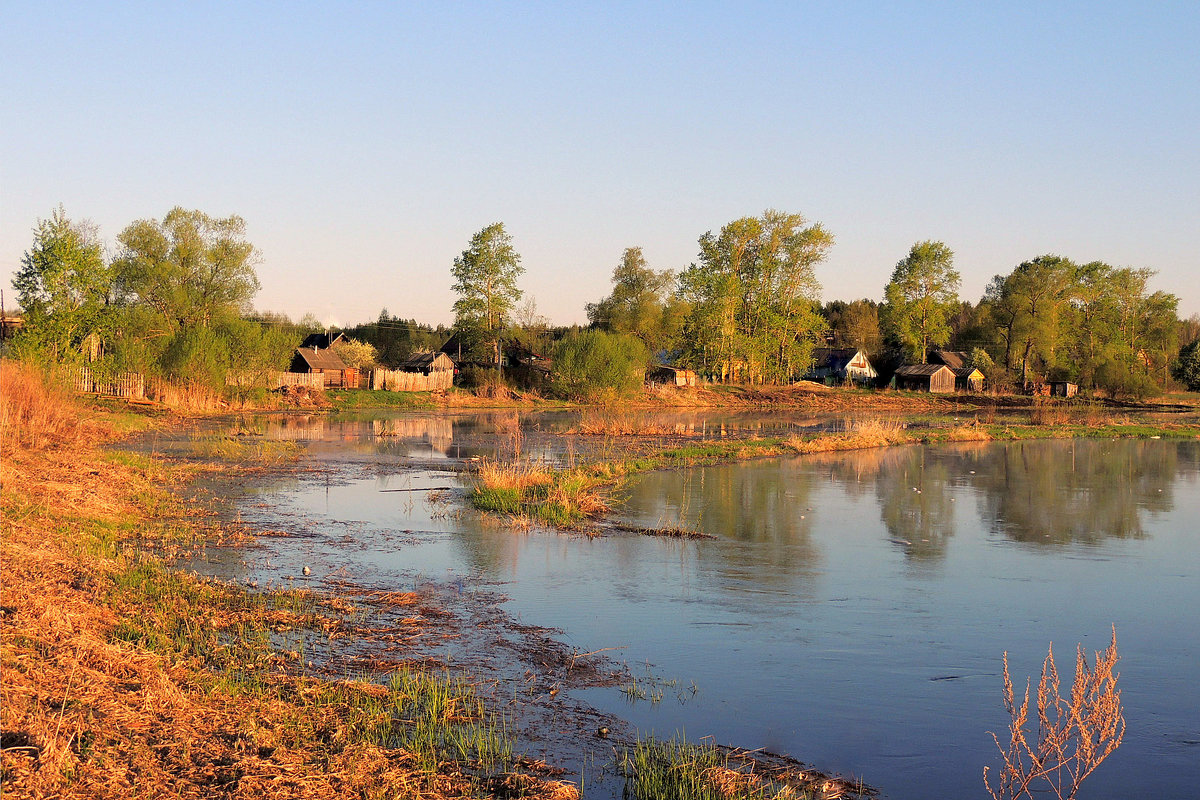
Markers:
<point>1028,304</point>
<point>485,278</point>
<point>1186,367</point>
<point>191,268</point>
<point>355,353</point>
<point>920,298</point>
<point>640,303</point>
<point>64,287</point>
<point>752,298</point>
<point>598,365</point>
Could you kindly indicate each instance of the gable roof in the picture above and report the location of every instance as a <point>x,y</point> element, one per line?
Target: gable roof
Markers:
<point>321,341</point>
<point>921,370</point>
<point>835,358</point>
<point>954,359</point>
<point>320,359</point>
<point>423,362</point>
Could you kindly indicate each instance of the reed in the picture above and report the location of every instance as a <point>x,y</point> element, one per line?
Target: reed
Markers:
<point>1074,734</point>
<point>35,413</point>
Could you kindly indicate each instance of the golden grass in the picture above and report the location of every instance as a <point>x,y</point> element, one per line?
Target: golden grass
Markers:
<point>498,475</point>
<point>35,413</point>
<point>102,699</point>
<point>612,423</point>
<point>860,435</point>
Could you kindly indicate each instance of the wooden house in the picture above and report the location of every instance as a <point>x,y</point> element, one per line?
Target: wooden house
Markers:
<point>427,363</point>
<point>671,376</point>
<point>1063,389</point>
<point>966,377</point>
<point>326,362</point>
<point>834,365</point>
<point>925,378</point>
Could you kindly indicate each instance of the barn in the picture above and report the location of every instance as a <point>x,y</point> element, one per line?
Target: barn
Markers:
<point>925,378</point>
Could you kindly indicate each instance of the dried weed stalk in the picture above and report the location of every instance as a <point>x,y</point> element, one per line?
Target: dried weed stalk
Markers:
<point>1074,735</point>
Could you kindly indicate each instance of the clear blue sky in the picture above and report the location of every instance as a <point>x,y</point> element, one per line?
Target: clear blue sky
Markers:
<point>365,142</point>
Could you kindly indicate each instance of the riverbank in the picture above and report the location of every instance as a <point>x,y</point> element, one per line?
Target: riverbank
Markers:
<point>126,678</point>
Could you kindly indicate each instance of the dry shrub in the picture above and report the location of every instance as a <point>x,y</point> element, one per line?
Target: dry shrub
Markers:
<point>1074,734</point>
<point>1048,412</point>
<point>496,475</point>
<point>611,423</point>
<point>968,433</point>
<point>860,434</point>
<point>186,397</point>
<point>34,413</point>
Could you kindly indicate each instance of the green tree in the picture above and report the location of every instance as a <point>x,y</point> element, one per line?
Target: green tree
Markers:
<point>641,302</point>
<point>855,324</point>
<point>191,269</point>
<point>752,298</point>
<point>355,353</point>
<point>1029,305</point>
<point>485,278</point>
<point>921,297</point>
<point>1186,367</point>
<point>595,364</point>
<point>64,287</point>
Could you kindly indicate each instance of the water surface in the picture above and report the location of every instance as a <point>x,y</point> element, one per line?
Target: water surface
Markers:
<point>853,608</point>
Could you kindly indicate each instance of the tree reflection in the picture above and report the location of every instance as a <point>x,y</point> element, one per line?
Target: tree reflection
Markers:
<point>1075,491</point>
<point>766,505</point>
<point>914,503</point>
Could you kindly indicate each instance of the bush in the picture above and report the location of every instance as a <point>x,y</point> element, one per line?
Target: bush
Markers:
<point>1186,367</point>
<point>595,365</point>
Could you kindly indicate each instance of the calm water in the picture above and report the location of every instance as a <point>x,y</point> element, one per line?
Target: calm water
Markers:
<point>852,610</point>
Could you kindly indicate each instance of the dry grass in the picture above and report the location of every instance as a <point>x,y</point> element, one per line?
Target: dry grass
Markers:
<point>35,413</point>
<point>123,679</point>
<point>508,476</point>
<point>860,434</point>
<point>1074,734</point>
<point>612,423</point>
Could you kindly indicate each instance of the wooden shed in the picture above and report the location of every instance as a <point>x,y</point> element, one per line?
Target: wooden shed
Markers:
<point>671,376</point>
<point>968,379</point>
<point>1063,389</point>
<point>326,362</point>
<point>427,363</point>
<point>925,378</point>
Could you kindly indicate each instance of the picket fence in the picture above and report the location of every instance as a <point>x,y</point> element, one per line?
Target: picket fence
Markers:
<point>123,384</point>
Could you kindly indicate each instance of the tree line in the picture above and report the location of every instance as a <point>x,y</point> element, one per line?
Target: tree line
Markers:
<point>174,300</point>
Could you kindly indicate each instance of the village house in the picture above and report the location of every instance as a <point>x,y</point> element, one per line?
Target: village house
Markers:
<point>427,363</point>
<point>925,378</point>
<point>834,365</point>
<point>966,377</point>
<point>322,341</point>
<point>671,376</point>
<point>326,362</point>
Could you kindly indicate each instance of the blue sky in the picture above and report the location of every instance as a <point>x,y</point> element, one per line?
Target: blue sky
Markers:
<point>365,143</point>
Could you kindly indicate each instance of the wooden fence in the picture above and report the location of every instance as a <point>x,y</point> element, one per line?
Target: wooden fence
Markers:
<point>314,380</point>
<point>123,384</point>
<point>397,381</point>
<point>274,380</point>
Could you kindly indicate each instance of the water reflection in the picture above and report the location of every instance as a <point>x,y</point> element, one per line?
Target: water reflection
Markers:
<point>1052,493</point>
<point>1063,492</point>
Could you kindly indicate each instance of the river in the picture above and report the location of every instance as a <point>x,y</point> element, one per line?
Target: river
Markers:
<point>853,608</point>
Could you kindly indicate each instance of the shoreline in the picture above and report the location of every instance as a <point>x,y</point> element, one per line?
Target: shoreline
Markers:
<point>88,596</point>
